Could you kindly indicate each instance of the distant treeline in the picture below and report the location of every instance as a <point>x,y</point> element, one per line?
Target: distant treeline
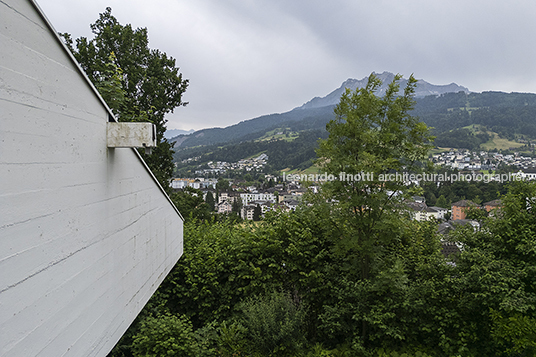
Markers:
<point>461,138</point>
<point>507,114</point>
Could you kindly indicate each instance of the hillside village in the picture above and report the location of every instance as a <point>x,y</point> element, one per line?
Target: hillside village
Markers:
<point>459,159</point>
<point>252,203</point>
<point>482,160</point>
<point>221,167</point>
<point>287,196</point>
<point>284,197</point>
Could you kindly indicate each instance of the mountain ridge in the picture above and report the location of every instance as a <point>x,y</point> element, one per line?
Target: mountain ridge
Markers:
<point>171,133</point>
<point>423,89</point>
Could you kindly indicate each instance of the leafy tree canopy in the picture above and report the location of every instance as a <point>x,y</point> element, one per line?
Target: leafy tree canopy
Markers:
<point>371,136</point>
<point>138,83</point>
<point>191,204</point>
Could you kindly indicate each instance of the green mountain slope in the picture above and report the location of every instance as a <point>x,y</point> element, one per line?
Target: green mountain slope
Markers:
<point>297,119</point>
<point>501,119</point>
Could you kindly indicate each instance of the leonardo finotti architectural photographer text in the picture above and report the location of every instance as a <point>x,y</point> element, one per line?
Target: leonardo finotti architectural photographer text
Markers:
<point>403,177</point>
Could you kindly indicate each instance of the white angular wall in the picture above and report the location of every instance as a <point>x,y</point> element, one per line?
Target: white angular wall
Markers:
<point>86,232</point>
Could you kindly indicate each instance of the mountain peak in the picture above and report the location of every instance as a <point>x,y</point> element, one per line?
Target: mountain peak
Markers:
<point>423,89</point>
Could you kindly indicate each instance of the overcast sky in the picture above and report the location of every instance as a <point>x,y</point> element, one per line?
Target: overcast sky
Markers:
<point>247,58</point>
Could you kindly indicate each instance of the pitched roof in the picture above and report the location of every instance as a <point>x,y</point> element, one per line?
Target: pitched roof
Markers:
<point>417,206</point>
<point>465,203</point>
<point>494,203</point>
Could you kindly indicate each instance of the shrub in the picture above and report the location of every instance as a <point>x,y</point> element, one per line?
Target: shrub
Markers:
<point>273,323</point>
<point>169,335</point>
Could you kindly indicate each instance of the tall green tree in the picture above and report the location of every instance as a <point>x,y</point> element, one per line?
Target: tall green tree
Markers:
<point>496,274</point>
<point>442,202</point>
<point>223,185</point>
<point>209,199</point>
<point>138,83</point>
<point>237,206</point>
<point>370,138</point>
<point>257,213</point>
<point>190,203</point>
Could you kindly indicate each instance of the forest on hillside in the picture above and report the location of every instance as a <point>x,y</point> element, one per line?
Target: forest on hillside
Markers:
<point>461,138</point>
<point>297,154</point>
<point>504,113</point>
<point>508,114</point>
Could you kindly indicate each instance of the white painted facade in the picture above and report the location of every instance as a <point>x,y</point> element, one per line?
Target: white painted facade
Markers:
<point>247,212</point>
<point>87,234</point>
<point>250,197</point>
<point>224,207</point>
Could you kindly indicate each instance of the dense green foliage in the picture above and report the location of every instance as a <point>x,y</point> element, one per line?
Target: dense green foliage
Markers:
<point>444,193</point>
<point>297,119</point>
<point>274,322</point>
<point>191,204</point>
<point>496,273</point>
<point>461,138</point>
<point>169,335</point>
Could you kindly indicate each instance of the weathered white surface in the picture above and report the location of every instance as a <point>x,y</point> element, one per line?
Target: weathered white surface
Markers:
<point>131,135</point>
<point>86,233</point>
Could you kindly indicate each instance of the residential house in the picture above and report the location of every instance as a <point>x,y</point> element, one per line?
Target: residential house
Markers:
<point>417,210</point>
<point>223,196</point>
<point>438,213</point>
<point>265,205</point>
<point>291,204</point>
<point>460,208</point>
<point>281,207</point>
<point>247,212</point>
<point>180,183</point>
<point>492,206</point>
<point>250,197</point>
<point>224,207</point>
<point>419,199</point>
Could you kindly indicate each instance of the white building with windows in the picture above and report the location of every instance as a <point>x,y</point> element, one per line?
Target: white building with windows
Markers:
<point>247,212</point>
<point>250,197</point>
<point>224,207</point>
